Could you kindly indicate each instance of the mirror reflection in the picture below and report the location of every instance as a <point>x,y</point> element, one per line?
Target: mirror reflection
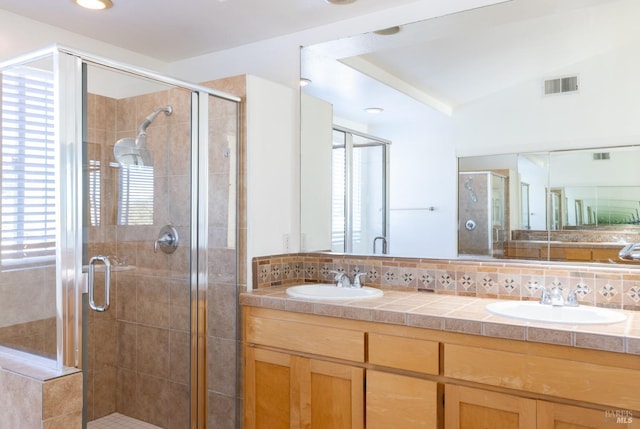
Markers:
<point>526,107</point>
<point>580,205</point>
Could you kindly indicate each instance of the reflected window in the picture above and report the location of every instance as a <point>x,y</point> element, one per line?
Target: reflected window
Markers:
<point>28,170</point>
<point>136,195</point>
<point>94,192</point>
<point>525,219</point>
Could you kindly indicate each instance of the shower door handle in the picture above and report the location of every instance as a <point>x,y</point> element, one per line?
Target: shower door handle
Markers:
<point>107,282</point>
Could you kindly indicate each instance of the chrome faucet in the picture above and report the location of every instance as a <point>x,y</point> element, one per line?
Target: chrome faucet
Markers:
<point>342,280</point>
<point>545,297</point>
<point>557,300</point>
<point>384,244</point>
<point>630,252</point>
<point>572,296</point>
<point>356,280</point>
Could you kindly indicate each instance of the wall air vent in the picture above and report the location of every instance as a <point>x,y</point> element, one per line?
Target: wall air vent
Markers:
<point>561,85</point>
<point>597,156</point>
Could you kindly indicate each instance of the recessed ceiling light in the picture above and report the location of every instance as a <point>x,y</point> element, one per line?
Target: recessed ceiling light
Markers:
<point>304,81</point>
<point>339,1</point>
<point>94,4</point>
<point>374,110</point>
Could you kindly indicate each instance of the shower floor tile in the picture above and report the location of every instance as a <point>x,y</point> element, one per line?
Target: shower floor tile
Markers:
<point>119,421</point>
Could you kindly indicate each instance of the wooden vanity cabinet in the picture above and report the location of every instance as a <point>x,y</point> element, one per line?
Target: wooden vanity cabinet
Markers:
<point>300,374</point>
<point>292,378</point>
<point>402,400</point>
<point>268,384</point>
<point>605,381</point>
<point>307,371</point>
<point>551,415</point>
<point>470,408</point>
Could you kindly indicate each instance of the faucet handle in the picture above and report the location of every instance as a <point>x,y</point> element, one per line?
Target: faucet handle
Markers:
<point>545,297</point>
<point>572,296</point>
<point>356,279</point>
<point>337,274</point>
<point>339,277</point>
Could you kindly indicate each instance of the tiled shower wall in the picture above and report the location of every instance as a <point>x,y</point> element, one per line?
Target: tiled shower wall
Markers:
<point>139,350</point>
<point>226,259</point>
<point>227,229</point>
<point>597,285</point>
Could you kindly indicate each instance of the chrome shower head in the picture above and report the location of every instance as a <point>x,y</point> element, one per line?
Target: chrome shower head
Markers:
<point>127,152</point>
<point>168,110</point>
<point>132,151</point>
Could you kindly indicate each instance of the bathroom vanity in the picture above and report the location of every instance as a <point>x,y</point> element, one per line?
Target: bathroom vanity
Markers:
<point>411,360</point>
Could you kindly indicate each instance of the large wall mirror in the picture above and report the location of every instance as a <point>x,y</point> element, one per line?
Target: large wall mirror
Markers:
<point>511,133</point>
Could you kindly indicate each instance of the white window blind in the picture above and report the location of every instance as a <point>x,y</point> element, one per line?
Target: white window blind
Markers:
<point>28,177</point>
<point>339,200</point>
<point>136,195</point>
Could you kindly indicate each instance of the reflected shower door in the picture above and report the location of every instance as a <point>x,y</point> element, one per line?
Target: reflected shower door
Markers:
<point>359,193</point>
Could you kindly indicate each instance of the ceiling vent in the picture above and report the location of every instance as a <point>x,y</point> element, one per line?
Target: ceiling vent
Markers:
<point>561,85</point>
<point>597,156</point>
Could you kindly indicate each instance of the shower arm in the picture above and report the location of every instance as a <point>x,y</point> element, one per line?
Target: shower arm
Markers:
<point>149,119</point>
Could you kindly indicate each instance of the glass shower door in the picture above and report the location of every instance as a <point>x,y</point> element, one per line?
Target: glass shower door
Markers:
<point>137,223</point>
<point>28,211</point>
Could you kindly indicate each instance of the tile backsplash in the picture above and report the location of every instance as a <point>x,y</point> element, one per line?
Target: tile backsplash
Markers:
<point>596,285</point>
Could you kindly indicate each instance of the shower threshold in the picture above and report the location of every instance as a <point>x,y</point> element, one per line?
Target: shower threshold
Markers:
<point>119,421</point>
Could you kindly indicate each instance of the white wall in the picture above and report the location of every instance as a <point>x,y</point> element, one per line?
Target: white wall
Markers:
<point>316,133</point>
<point>521,119</point>
<point>273,156</point>
<point>580,169</point>
<point>423,175</point>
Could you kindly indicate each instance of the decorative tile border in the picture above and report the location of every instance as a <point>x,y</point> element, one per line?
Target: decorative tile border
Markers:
<point>596,285</point>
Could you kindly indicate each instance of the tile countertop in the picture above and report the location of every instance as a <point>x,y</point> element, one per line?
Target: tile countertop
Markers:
<point>456,314</point>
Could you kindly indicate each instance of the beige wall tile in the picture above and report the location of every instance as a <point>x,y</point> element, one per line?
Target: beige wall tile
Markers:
<point>20,401</point>
<point>62,395</point>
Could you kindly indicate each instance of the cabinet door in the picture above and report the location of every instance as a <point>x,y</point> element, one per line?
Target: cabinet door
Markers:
<point>397,401</point>
<point>268,390</point>
<point>559,416</point>
<point>468,408</point>
<point>331,395</point>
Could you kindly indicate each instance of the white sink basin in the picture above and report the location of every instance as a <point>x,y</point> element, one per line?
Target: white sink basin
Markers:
<point>332,292</point>
<point>533,311</point>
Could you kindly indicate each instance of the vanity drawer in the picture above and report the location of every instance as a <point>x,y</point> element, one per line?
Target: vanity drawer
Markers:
<point>306,338</point>
<point>404,353</point>
<point>583,381</point>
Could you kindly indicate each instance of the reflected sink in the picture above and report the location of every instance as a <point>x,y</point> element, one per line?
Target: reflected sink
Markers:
<point>533,311</point>
<point>332,292</point>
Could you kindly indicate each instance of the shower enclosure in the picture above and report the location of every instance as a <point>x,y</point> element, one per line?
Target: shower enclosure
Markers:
<point>118,244</point>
